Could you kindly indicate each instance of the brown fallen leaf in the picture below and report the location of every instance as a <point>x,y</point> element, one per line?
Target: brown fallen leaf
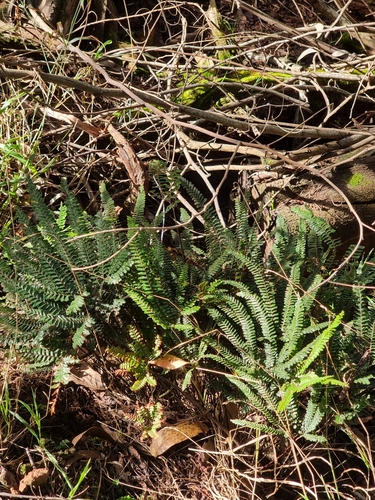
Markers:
<point>169,362</point>
<point>231,412</point>
<point>137,173</point>
<point>54,399</point>
<point>34,478</point>
<point>172,435</point>
<point>8,479</point>
<point>83,374</point>
<point>207,447</point>
<point>82,455</point>
<point>95,431</point>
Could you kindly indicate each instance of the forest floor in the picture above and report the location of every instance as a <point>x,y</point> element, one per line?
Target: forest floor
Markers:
<point>50,130</point>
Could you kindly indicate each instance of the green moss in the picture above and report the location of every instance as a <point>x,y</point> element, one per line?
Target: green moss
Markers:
<point>355,180</point>
<point>249,76</point>
<point>197,97</point>
<point>268,161</point>
<point>223,55</point>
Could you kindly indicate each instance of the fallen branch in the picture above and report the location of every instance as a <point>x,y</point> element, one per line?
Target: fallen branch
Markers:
<point>147,99</point>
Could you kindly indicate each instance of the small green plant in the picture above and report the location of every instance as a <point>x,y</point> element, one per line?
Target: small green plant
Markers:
<point>5,413</point>
<point>148,418</point>
<point>276,338</point>
<point>34,425</point>
<point>135,359</point>
<point>72,279</point>
<point>82,476</point>
<point>101,50</point>
<point>49,308</point>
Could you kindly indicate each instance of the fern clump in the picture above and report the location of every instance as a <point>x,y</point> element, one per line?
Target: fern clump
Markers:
<point>72,279</point>
<point>59,289</point>
<point>289,339</point>
<point>281,329</point>
<point>135,359</point>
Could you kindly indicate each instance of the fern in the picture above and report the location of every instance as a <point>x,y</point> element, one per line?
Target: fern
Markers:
<point>51,307</point>
<point>72,279</point>
<point>274,349</point>
<point>135,360</point>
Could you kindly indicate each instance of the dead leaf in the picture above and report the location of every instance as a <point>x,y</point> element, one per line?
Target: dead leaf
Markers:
<point>34,478</point>
<point>120,373</point>
<point>172,435</point>
<point>54,399</point>
<point>207,447</point>
<point>169,362</point>
<point>135,169</point>
<point>83,374</point>
<point>72,120</point>
<point>82,455</point>
<point>8,479</point>
<point>95,431</point>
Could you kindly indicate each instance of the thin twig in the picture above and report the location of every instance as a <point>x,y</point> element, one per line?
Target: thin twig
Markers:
<point>35,497</point>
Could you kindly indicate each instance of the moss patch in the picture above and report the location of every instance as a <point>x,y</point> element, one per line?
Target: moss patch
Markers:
<point>355,180</point>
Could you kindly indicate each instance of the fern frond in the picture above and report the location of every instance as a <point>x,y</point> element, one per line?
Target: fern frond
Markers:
<point>273,431</point>
<point>319,227</point>
<point>236,314</point>
<point>314,413</point>
<point>320,343</point>
<point>257,401</point>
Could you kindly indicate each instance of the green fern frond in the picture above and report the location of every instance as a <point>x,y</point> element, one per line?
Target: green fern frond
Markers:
<point>82,332</point>
<point>138,217</point>
<point>319,227</point>
<point>315,412</point>
<point>320,343</point>
<point>62,370</point>
<point>266,429</point>
<point>229,316</point>
<point>267,326</point>
<point>303,382</point>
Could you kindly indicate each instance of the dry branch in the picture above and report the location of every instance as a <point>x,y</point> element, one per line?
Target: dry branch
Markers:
<point>144,98</point>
